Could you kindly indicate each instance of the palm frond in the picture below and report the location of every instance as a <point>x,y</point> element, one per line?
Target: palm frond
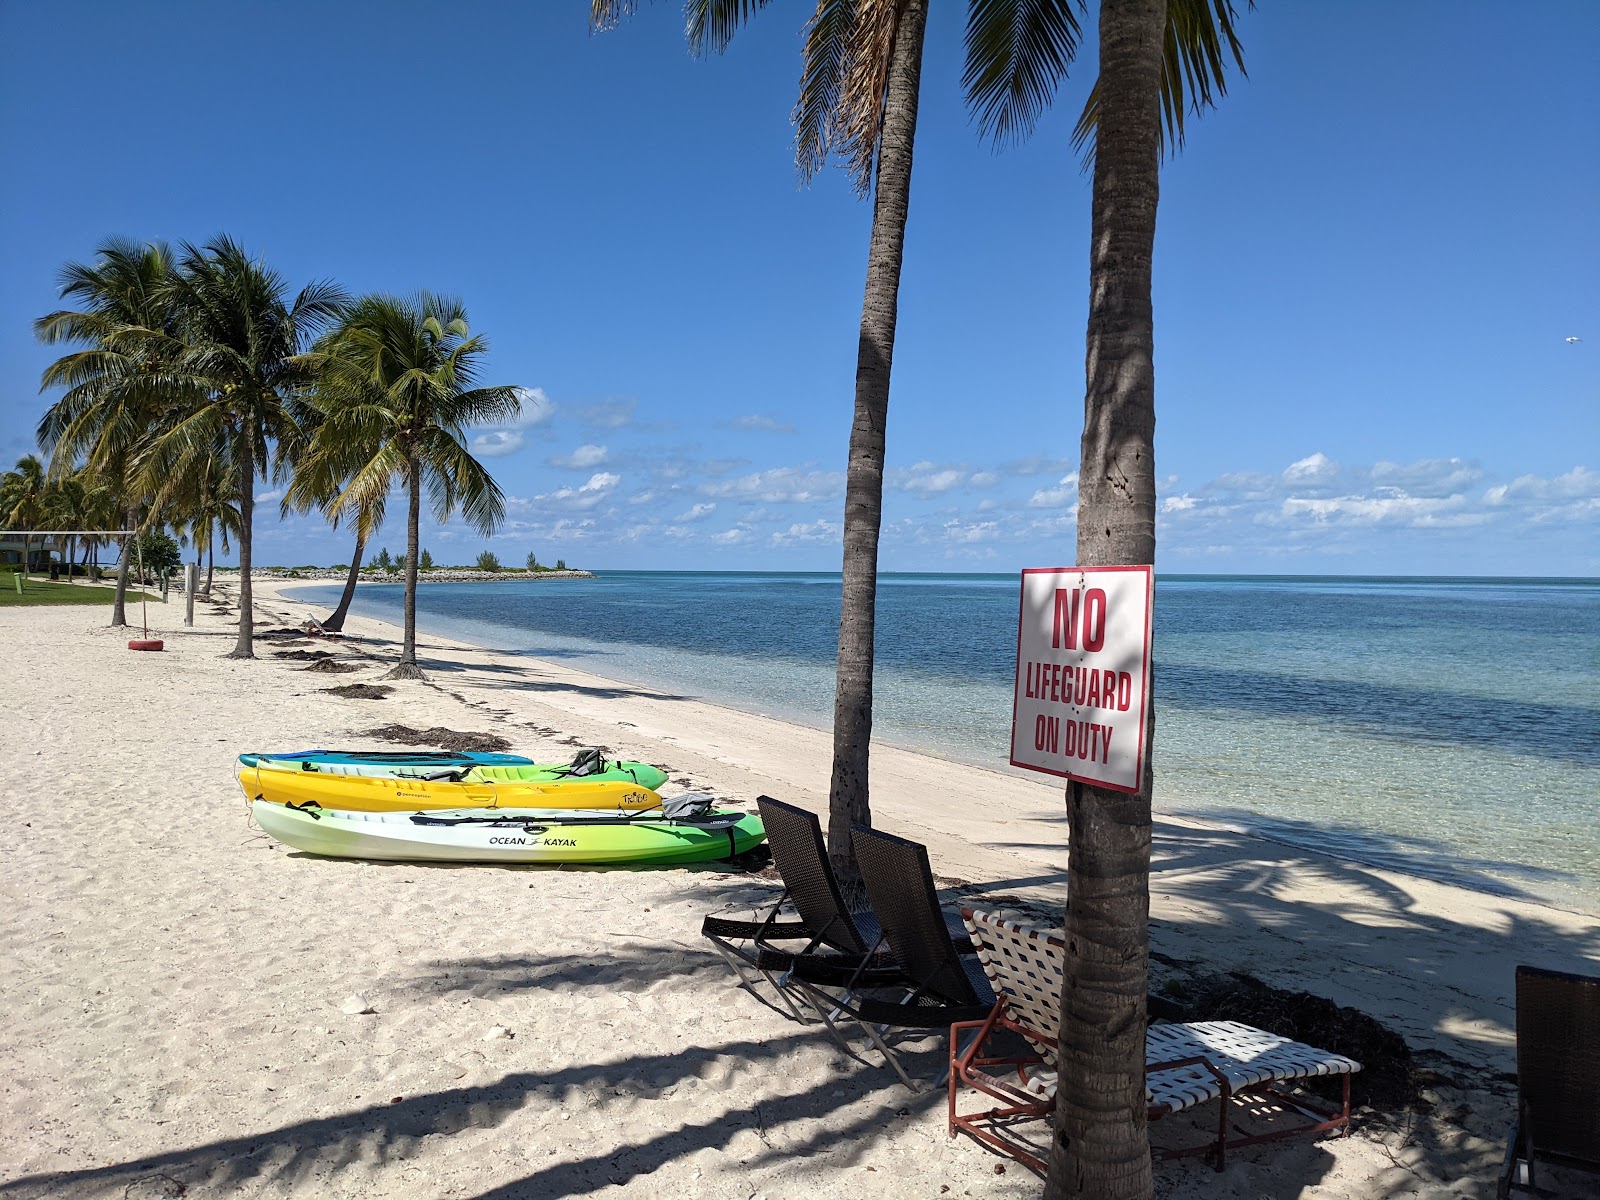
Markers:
<point>711,24</point>
<point>1199,39</point>
<point>823,64</point>
<point>1017,54</point>
<point>858,116</point>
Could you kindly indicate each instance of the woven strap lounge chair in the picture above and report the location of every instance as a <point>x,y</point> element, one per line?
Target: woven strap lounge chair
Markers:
<point>1185,1064</point>
<point>1558,1061</point>
<point>934,982</point>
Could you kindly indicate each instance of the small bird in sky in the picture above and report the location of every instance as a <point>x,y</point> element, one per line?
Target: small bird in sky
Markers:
<point>1573,341</point>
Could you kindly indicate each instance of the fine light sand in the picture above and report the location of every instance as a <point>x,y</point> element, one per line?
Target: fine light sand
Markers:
<point>174,982</point>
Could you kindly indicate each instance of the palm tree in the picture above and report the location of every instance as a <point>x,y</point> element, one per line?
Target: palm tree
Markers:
<point>115,393</point>
<point>25,500</point>
<point>396,389</point>
<point>859,90</point>
<point>203,500</point>
<point>1017,54</point>
<point>319,480</point>
<point>236,374</point>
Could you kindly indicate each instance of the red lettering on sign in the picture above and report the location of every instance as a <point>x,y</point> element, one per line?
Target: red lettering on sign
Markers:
<point>1094,619</point>
<point>1064,633</point>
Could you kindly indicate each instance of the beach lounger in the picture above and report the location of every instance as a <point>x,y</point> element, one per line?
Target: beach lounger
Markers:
<point>754,949</point>
<point>1558,1064</point>
<point>828,943</point>
<point>1185,1064</point>
<point>933,983</point>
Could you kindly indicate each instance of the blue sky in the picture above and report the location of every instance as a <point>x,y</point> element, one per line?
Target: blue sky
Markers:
<point>1368,263</point>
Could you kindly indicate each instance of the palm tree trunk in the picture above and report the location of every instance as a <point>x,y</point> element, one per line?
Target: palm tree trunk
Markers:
<point>211,562</point>
<point>1101,1144</point>
<point>245,647</point>
<point>335,623</point>
<point>407,667</point>
<point>119,601</point>
<point>72,549</point>
<point>848,799</point>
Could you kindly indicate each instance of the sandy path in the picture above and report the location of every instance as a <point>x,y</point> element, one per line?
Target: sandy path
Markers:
<point>173,1003</point>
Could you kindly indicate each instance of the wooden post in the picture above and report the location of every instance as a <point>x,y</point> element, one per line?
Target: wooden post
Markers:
<point>191,580</point>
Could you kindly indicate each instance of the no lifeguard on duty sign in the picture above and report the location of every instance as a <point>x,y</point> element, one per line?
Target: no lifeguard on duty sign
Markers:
<point>1083,674</point>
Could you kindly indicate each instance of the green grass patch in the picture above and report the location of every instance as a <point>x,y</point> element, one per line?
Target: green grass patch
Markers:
<point>42,591</point>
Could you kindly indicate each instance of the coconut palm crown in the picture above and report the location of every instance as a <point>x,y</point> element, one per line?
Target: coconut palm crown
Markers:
<point>396,390</point>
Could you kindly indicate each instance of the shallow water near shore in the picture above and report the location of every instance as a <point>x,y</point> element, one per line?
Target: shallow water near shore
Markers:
<point>1444,727</point>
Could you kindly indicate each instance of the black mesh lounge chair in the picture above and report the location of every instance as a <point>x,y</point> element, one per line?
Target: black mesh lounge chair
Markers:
<point>1558,1061</point>
<point>831,941</point>
<point>825,922</point>
<point>938,984</point>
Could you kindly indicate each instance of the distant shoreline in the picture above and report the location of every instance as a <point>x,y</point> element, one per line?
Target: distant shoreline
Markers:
<point>437,575</point>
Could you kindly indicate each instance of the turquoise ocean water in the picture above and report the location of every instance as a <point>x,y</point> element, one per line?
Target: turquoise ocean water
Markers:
<point>1448,727</point>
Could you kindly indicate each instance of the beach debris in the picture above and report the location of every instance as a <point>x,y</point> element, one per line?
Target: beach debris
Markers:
<point>303,655</point>
<point>497,1032</point>
<point>155,1187</point>
<point>361,691</point>
<point>357,1005</point>
<point>329,667</point>
<point>444,739</point>
<point>1388,1079</point>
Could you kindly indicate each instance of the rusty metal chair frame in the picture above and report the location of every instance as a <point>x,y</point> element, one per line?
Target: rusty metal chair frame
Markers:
<point>1026,969</point>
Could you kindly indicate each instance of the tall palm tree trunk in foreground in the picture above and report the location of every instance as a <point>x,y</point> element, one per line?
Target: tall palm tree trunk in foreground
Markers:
<point>407,667</point>
<point>863,498</point>
<point>336,622</point>
<point>1101,1144</point>
<point>245,647</point>
<point>211,565</point>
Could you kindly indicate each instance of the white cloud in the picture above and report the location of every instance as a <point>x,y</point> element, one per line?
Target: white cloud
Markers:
<point>698,512</point>
<point>968,533</point>
<point>1316,468</point>
<point>926,479</point>
<point>581,459</point>
<point>1178,503</point>
<point>820,530</point>
<point>983,479</point>
<point>736,536</point>
<point>759,423</point>
<point>580,499</point>
<point>261,498</point>
<point>618,413</point>
<point>1066,492</point>
<point>1036,464</point>
<point>1394,507</point>
<point>780,485</point>
<point>508,437</point>
<point>497,442</point>
<point>1429,476</point>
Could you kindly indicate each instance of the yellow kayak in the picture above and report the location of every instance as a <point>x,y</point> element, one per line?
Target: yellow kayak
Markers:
<point>361,793</point>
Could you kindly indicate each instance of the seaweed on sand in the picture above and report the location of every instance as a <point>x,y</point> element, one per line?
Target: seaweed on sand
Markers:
<point>445,739</point>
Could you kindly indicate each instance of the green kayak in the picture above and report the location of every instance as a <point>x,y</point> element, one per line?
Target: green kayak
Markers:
<point>463,766</point>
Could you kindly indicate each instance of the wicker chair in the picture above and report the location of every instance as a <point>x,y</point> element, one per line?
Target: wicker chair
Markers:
<point>1185,1065</point>
<point>1558,1061</point>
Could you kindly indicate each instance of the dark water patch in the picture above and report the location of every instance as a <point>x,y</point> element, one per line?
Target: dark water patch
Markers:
<point>1565,732</point>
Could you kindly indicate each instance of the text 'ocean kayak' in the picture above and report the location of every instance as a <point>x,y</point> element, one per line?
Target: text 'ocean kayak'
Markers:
<point>475,836</point>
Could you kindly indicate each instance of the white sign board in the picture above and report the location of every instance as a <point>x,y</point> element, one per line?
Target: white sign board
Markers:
<point>1083,674</point>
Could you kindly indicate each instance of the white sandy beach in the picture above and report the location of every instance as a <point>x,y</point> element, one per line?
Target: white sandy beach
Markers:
<point>175,980</point>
